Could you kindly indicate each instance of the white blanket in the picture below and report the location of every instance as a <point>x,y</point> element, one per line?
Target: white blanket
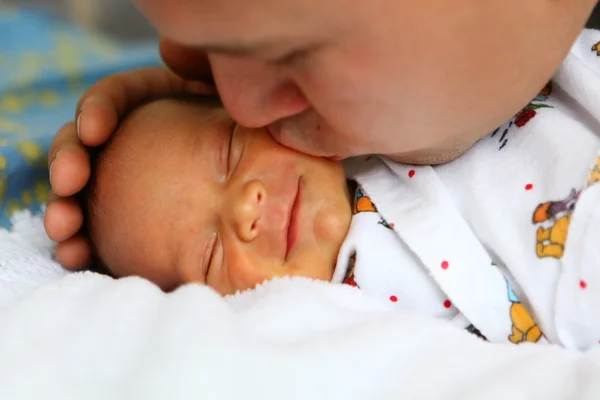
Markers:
<point>85,336</point>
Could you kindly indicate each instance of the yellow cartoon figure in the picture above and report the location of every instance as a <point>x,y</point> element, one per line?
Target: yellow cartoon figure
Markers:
<point>595,174</point>
<point>550,241</point>
<point>362,203</point>
<point>524,328</point>
<point>596,48</point>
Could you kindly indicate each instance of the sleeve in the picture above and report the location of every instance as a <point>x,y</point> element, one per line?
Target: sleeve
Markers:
<point>579,75</point>
<point>577,308</point>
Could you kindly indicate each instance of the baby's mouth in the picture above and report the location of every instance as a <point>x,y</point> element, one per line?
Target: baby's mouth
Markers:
<point>292,229</point>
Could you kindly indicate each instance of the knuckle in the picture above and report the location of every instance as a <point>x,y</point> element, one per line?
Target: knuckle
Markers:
<point>67,133</point>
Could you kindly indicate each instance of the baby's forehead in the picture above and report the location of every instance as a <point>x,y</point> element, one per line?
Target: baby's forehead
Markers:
<point>168,113</point>
<point>169,121</point>
<point>167,136</point>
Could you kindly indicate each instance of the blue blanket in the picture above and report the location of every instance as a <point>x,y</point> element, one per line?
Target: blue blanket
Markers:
<point>45,65</point>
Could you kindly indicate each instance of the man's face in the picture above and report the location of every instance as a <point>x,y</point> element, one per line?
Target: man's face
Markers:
<point>422,80</point>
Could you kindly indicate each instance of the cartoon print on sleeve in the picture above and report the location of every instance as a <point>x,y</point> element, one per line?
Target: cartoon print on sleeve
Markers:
<point>555,217</point>
<point>363,203</point>
<point>596,48</point>
<point>524,116</point>
<point>349,277</point>
<point>384,223</point>
<point>474,331</point>
<point>524,328</point>
<point>595,173</point>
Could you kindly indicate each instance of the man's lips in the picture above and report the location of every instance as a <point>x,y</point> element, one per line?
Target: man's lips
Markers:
<point>292,228</point>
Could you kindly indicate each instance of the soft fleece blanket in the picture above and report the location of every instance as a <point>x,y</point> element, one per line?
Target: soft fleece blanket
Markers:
<point>86,336</point>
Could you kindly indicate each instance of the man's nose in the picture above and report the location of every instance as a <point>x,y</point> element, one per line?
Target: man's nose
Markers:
<point>255,93</point>
<point>247,209</point>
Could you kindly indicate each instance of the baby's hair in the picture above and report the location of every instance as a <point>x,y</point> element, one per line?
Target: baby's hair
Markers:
<point>207,99</point>
<point>89,195</point>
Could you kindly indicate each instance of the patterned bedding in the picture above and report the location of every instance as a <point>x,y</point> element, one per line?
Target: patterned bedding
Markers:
<point>45,65</point>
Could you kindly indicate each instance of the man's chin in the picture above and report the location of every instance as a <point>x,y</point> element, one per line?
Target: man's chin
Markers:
<point>430,157</point>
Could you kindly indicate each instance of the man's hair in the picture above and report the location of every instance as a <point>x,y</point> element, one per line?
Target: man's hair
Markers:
<point>89,195</point>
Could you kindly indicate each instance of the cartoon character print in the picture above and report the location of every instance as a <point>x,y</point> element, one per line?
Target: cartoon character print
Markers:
<point>524,116</point>
<point>524,328</point>
<point>384,223</point>
<point>595,174</point>
<point>363,203</point>
<point>349,277</point>
<point>472,330</point>
<point>596,48</point>
<point>550,240</point>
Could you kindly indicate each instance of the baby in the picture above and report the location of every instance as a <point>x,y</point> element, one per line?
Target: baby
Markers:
<point>182,194</point>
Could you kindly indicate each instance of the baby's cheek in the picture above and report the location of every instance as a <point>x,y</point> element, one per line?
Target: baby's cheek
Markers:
<point>331,224</point>
<point>244,270</point>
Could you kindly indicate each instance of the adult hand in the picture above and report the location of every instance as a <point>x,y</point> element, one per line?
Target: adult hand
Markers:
<point>98,113</point>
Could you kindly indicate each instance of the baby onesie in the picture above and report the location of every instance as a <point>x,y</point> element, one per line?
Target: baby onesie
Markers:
<point>505,240</point>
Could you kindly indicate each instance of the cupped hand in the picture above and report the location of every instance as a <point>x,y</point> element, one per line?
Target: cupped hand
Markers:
<point>98,113</point>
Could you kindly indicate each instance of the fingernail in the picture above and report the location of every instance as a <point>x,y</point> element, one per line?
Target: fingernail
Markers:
<point>77,124</point>
<point>89,100</point>
<point>50,172</point>
<point>84,105</point>
<point>52,165</point>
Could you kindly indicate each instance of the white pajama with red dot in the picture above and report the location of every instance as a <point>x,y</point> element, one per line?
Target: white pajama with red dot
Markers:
<point>504,241</point>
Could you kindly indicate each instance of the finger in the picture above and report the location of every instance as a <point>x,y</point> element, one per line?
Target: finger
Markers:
<point>187,62</point>
<point>109,99</point>
<point>70,170</point>
<point>52,197</point>
<point>63,219</point>
<point>65,137</point>
<point>68,162</point>
<point>126,90</point>
<point>98,122</point>
<point>74,253</point>
<point>105,102</point>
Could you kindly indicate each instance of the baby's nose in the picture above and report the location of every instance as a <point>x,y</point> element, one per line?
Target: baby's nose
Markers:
<point>247,210</point>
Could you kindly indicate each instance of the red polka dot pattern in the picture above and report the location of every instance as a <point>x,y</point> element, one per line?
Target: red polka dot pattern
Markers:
<point>393,299</point>
<point>445,265</point>
<point>411,173</point>
<point>447,304</point>
<point>583,284</point>
<point>529,186</point>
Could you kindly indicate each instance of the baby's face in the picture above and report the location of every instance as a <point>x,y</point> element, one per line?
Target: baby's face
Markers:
<point>183,194</point>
